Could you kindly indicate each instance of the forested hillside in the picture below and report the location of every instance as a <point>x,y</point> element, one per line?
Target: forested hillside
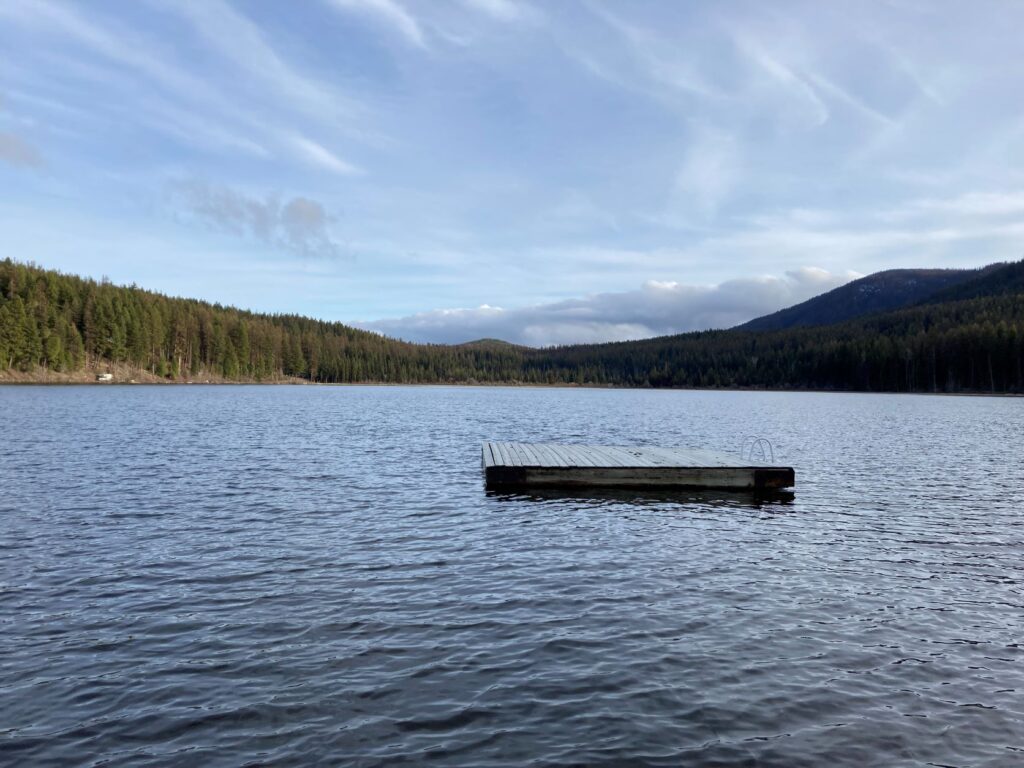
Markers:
<point>65,323</point>
<point>1003,280</point>
<point>879,292</point>
<point>59,323</point>
<point>968,346</point>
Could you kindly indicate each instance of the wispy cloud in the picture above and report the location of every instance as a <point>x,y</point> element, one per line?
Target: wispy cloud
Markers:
<point>844,96</point>
<point>801,91</point>
<point>390,13</point>
<point>503,10</point>
<point>110,41</point>
<point>187,105</point>
<point>926,232</point>
<point>237,39</point>
<point>973,204</point>
<point>663,60</point>
<point>656,308</point>
<point>518,153</point>
<point>707,175</point>
<point>321,157</point>
<point>195,129</point>
<point>299,225</point>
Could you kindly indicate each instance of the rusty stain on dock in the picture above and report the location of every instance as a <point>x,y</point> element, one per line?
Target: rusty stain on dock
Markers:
<point>511,465</point>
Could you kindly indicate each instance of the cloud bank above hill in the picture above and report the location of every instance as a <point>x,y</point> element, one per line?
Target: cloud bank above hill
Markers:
<point>655,309</point>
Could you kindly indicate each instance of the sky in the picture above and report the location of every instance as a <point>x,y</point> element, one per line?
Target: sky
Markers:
<point>541,172</point>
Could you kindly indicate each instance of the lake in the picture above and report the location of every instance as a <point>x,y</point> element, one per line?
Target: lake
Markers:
<point>315,575</point>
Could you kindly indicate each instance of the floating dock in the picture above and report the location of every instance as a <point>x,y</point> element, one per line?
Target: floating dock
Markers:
<point>518,465</point>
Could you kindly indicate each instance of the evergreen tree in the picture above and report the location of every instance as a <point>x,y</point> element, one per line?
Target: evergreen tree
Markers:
<point>973,340</point>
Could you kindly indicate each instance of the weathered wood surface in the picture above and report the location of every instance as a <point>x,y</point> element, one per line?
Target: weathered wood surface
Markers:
<point>524,464</point>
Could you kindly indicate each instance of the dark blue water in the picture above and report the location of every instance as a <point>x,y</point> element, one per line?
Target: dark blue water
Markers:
<point>315,575</point>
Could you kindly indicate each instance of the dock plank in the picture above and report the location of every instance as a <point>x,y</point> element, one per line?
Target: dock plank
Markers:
<point>612,455</point>
<point>563,456</point>
<point>506,457</point>
<point>530,455</point>
<point>638,457</point>
<point>641,457</point>
<point>572,457</point>
<point>495,454</point>
<point>516,453</point>
<point>513,454</point>
<point>575,455</point>
<point>674,457</point>
<point>548,456</point>
<point>527,455</point>
<point>604,456</point>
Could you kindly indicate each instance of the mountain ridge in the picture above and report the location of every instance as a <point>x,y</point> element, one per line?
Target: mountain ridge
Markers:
<point>878,292</point>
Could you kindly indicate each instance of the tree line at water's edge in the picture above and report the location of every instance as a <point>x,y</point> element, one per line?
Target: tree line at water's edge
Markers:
<point>968,341</point>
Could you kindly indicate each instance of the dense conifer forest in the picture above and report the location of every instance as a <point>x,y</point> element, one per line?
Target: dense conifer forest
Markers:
<point>969,339</point>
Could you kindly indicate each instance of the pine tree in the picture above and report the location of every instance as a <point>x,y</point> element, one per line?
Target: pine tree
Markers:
<point>54,352</point>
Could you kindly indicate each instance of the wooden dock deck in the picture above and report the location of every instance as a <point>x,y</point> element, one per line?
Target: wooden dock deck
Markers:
<point>512,465</point>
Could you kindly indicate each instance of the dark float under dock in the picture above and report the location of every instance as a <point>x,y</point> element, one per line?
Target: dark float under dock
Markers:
<point>519,465</point>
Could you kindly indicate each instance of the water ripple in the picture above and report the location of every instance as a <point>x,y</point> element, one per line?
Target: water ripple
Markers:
<point>305,575</point>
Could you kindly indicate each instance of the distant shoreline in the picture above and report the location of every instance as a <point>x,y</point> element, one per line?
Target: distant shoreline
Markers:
<point>154,381</point>
<point>69,330</point>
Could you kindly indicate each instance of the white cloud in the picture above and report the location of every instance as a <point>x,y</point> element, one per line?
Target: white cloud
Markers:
<point>322,157</point>
<point>390,13</point>
<point>657,308</point>
<point>707,175</point>
<point>503,10</point>
<point>521,162</point>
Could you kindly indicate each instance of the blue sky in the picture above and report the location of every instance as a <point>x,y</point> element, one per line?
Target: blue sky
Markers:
<point>543,172</point>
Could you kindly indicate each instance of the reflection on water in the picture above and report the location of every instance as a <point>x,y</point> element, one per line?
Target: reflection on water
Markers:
<point>769,500</point>
<point>315,575</point>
